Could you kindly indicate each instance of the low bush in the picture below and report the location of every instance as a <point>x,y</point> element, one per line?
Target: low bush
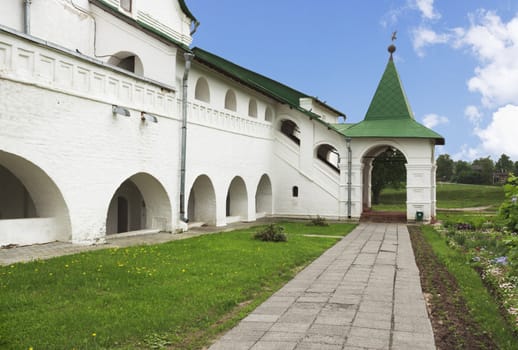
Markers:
<point>318,221</point>
<point>271,233</point>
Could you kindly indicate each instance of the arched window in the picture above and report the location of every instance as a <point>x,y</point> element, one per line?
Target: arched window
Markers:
<point>252,108</point>
<point>329,155</point>
<point>127,61</point>
<point>230,101</point>
<point>291,130</point>
<point>202,92</point>
<point>268,114</point>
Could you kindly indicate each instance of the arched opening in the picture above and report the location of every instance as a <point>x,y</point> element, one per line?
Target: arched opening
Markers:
<point>139,203</point>
<point>237,201</point>
<point>263,197</point>
<point>384,182</point>
<point>201,91</point>
<point>329,156</point>
<point>230,100</point>
<point>127,61</point>
<point>201,207</point>
<point>32,208</point>
<point>290,130</point>
<point>252,108</point>
<point>268,114</point>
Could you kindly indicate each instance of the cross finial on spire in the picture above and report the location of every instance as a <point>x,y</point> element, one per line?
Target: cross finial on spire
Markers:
<point>392,47</point>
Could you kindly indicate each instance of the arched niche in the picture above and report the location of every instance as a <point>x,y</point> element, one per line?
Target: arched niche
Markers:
<point>201,90</point>
<point>263,197</point>
<point>252,108</point>
<point>32,207</point>
<point>230,100</point>
<point>237,199</point>
<point>201,207</point>
<point>139,203</point>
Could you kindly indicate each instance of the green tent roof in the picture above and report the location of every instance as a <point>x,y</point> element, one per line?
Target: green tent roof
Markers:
<point>267,86</point>
<point>389,114</point>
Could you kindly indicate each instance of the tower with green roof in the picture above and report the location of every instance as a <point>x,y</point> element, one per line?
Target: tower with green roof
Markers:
<point>390,122</point>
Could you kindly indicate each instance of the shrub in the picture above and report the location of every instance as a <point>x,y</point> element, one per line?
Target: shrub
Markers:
<point>271,233</point>
<point>509,208</point>
<point>318,221</point>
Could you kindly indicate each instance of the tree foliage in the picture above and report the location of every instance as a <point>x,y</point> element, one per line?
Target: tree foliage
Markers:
<point>388,171</point>
<point>504,164</point>
<point>509,208</point>
<point>445,168</point>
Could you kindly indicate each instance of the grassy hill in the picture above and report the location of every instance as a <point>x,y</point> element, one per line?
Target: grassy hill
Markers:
<point>449,196</point>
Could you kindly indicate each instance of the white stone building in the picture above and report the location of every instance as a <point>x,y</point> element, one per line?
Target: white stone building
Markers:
<point>110,122</point>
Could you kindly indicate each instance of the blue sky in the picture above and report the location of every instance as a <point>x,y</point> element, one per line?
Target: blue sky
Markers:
<point>458,60</point>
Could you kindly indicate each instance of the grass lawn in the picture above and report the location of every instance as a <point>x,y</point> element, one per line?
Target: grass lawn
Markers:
<point>469,196</point>
<point>449,196</point>
<point>179,294</point>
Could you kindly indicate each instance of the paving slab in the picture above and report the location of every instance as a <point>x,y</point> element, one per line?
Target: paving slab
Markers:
<point>363,293</point>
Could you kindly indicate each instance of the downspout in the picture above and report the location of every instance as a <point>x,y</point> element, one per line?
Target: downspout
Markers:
<point>349,176</point>
<point>188,57</point>
<point>27,17</point>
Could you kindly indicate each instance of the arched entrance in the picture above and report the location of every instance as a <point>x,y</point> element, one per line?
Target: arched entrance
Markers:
<point>140,203</point>
<point>201,207</point>
<point>32,208</point>
<point>237,201</point>
<point>384,172</point>
<point>263,197</point>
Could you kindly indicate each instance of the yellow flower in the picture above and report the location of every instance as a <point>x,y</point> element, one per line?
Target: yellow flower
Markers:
<point>94,334</point>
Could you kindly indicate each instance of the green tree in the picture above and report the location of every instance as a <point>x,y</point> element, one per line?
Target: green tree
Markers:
<point>504,164</point>
<point>484,167</point>
<point>515,170</point>
<point>445,167</point>
<point>509,208</point>
<point>388,171</point>
<point>463,172</point>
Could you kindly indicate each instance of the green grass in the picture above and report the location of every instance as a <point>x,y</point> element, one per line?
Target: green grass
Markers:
<point>180,293</point>
<point>482,306</point>
<point>468,196</point>
<point>449,196</point>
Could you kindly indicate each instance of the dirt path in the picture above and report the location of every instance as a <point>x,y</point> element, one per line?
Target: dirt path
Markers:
<point>453,327</point>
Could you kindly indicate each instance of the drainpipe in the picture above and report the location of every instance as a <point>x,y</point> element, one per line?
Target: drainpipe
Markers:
<point>349,176</point>
<point>27,17</point>
<point>188,57</point>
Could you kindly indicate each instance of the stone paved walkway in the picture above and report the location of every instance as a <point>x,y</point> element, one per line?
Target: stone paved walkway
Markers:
<point>363,293</point>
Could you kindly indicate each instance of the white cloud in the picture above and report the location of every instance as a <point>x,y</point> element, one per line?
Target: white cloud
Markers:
<point>427,10</point>
<point>495,45</point>
<point>466,153</point>
<point>473,114</point>
<point>425,7</point>
<point>423,36</point>
<point>500,136</point>
<point>431,120</point>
